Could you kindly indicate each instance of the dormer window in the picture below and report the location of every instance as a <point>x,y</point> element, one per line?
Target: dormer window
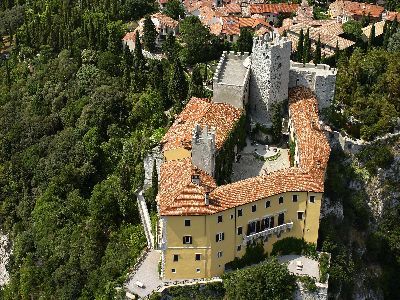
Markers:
<point>196,179</point>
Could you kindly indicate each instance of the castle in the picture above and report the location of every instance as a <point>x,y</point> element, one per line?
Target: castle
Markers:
<point>206,222</point>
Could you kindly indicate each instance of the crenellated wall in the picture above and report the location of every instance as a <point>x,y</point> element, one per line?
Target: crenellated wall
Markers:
<point>270,63</point>
<point>319,78</point>
<point>231,79</point>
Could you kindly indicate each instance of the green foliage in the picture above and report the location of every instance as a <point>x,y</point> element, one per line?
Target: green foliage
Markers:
<point>375,156</point>
<point>149,34</point>
<point>371,38</point>
<point>323,261</point>
<point>245,41</point>
<point>368,89</point>
<point>307,47</point>
<point>177,85</point>
<point>209,291</point>
<point>174,9</point>
<point>317,54</point>
<point>196,83</point>
<point>353,30</point>
<point>170,47</point>
<point>291,245</point>
<point>269,280</point>
<point>300,47</point>
<point>394,42</point>
<point>253,255</point>
<point>308,283</point>
<point>292,151</point>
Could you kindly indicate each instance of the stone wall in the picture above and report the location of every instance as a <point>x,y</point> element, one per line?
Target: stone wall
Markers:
<point>236,95</point>
<point>203,149</point>
<point>153,156</point>
<point>269,76</point>
<point>319,78</point>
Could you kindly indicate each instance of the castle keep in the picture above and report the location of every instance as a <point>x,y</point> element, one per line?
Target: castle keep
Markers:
<point>206,222</point>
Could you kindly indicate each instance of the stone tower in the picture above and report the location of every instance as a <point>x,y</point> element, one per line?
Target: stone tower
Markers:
<point>203,149</point>
<point>270,64</point>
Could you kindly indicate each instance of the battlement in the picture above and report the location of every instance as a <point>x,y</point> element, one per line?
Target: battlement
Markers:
<point>203,148</point>
<point>319,69</point>
<point>269,41</point>
<point>231,78</point>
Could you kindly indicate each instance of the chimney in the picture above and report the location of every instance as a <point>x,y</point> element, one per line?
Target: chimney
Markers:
<point>207,198</point>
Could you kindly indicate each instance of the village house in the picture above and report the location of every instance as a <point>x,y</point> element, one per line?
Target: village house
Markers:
<point>163,24</point>
<point>344,11</point>
<point>272,11</point>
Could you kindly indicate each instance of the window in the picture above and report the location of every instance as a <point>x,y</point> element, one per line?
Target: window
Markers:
<point>173,270</point>
<point>187,222</point>
<point>294,197</point>
<point>312,199</point>
<point>240,230</point>
<point>300,215</point>
<point>231,217</point>
<point>280,200</point>
<point>176,257</point>
<point>281,219</point>
<point>198,256</point>
<point>240,212</point>
<point>251,227</point>
<point>254,208</point>
<point>220,237</point>
<point>267,223</point>
<point>187,239</point>
<point>219,219</point>
<point>239,248</point>
<point>197,270</point>
<point>219,254</point>
<point>267,204</point>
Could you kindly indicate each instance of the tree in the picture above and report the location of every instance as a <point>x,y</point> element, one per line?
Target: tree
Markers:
<point>371,39</point>
<point>394,42</point>
<point>174,9</point>
<point>177,85</point>
<point>196,83</point>
<point>170,46</point>
<point>300,47</point>
<point>197,40</point>
<point>353,30</point>
<point>307,47</point>
<point>245,41</point>
<point>317,55</point>
<point>149,34</point>
<point>138,78</point>
<point>269,280</point>
<point>337,52</point>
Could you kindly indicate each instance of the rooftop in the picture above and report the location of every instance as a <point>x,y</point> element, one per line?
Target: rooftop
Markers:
<point>222,116</point>
<point>339,7</point>
<point>273,8</point>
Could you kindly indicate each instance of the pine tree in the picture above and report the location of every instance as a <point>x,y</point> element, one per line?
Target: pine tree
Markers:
<point>154,179</point>
<point>317,56</point>
<point>196,83</point>
<point>139,67</point>
<point>149,35</point>
<point>307,47</point>
<point>337,52</point>
<point>371,39</point>
<point>177,85</point>
<point>169,46</point>
<point>386,34</point>
<point>300,47</point>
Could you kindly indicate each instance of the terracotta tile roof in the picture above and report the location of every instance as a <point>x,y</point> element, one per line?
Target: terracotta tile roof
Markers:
<point>263,30</point>
<point>231,29</point>
<point>165,20</point>
<point>233,8</point>
<point>252,22</point>
<point>350,8</point>
<point>130,36</point>
<point>273,8</point>
<point>216,29</point>
<point>391,15</point>
<point>178,196</point>
<point>222,116</point>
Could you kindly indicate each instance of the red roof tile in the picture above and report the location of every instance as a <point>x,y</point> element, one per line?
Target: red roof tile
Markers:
<point>273,8</point>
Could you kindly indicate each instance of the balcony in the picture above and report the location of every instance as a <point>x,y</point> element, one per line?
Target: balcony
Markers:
<point>274,230</point>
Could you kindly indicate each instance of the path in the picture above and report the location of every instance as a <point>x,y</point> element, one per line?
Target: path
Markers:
<point>147,273</point>
<point>145,217</point>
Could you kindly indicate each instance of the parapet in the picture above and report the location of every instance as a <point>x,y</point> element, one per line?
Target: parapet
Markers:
<point>319,69</point>
<point>270,40</point>
<point>225,57</point>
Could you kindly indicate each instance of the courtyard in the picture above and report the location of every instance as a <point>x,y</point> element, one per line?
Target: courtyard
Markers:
<point>257,159</point>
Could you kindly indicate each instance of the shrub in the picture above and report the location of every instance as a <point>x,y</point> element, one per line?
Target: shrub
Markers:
<point>291,245</point>
<point>253,255</point>
<point>323,267</point>
<point>308,283</point>
<point>375,156</point>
